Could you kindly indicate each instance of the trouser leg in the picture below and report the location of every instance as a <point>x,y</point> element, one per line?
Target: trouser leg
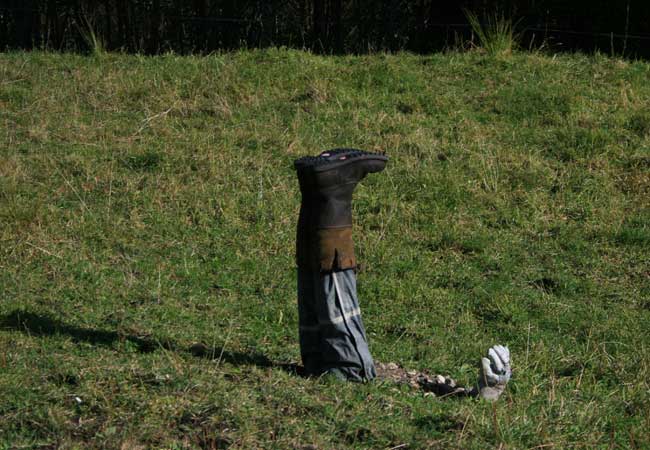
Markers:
<point>309,328</point>
<point>332,335</point>
<point>344,344</point>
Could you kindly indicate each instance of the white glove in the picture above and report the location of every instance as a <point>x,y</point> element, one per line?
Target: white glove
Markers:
<point>494,373</point>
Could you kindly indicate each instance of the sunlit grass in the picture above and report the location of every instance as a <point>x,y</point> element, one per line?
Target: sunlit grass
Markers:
<point>147,221</point>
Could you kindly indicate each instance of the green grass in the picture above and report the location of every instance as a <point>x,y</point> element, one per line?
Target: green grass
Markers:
<point>495,33</point>
<point>149,204</point>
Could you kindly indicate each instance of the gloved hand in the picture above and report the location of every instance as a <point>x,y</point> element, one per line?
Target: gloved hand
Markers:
<point>494,373</point>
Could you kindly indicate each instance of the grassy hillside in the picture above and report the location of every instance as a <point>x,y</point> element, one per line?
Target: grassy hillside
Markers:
<point>147,220</point>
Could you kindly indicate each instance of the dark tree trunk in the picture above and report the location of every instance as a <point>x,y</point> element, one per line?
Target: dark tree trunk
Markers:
<point>123,23</point>
<point>421,31</point>
<point>337,26</point>
<point>319,25</point>
<point>108,27</point>
<point>23,12</point>
<point>200,28</point>
<point>154,37</point>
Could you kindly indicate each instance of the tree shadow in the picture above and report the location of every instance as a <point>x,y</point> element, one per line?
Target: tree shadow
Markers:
<point>43,325</point>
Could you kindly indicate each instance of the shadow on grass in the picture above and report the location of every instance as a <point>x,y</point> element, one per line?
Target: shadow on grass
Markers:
<point>439,424</point>
<point>42,325</point>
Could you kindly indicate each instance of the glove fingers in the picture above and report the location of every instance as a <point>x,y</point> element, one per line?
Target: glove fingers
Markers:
<point>503,352</point>
<point>487,374</point>
<point>496,361</point>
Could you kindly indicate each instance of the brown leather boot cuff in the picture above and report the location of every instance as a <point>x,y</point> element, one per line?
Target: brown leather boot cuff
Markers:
<point>335,249</point>
<point>329,249</point>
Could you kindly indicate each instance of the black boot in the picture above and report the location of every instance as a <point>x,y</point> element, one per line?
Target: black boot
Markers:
<point>327,181</point>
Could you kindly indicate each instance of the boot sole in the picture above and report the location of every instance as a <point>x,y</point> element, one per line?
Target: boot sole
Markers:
<point>336,158</point>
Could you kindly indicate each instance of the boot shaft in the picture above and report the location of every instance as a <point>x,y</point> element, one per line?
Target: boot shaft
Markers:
<point>327,183</point>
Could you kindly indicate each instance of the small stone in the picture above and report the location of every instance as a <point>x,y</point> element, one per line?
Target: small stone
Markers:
<point>411,373</point>
<point>439,379</point>
<point>392,366</point>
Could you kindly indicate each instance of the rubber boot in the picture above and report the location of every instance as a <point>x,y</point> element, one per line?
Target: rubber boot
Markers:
<point>327,182</point>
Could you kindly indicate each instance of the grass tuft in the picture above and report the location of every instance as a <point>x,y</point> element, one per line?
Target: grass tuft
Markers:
<point>93,41</point>
<point>495,33</point>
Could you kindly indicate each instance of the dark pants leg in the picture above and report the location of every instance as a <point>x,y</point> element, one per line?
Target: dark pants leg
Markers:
<point>332,336</point>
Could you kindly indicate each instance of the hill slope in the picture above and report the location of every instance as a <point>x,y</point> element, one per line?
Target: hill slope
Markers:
<point>147,218</point>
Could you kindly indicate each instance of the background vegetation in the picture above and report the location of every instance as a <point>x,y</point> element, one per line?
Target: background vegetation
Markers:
<point>147,214</point>
<point>620,27</point>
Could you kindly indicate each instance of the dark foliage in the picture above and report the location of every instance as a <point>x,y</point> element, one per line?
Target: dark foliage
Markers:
<point>329,26</point>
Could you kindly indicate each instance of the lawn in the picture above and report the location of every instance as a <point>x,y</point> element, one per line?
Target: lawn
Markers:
<point>147,219</point>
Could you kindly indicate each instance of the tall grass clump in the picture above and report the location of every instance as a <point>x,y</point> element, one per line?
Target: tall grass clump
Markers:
<point>495,34</point>
<point>91,38</point>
